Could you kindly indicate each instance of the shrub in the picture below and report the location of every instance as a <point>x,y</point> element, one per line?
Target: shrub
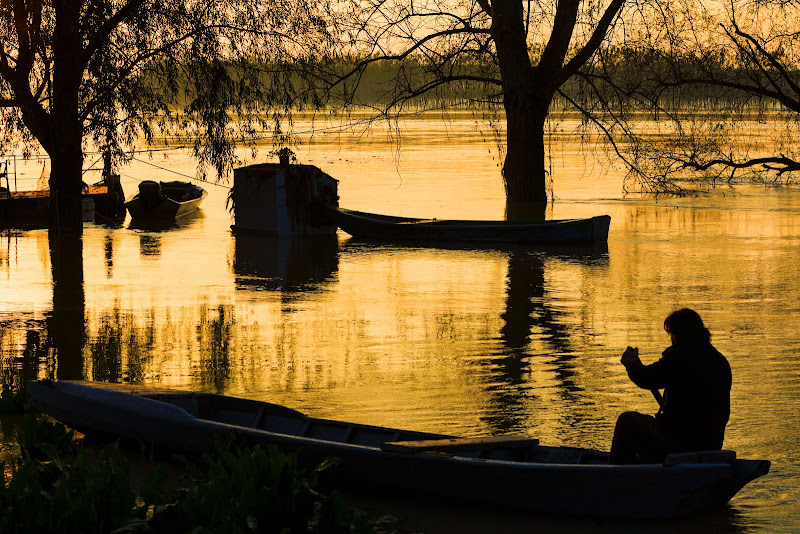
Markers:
<point>11,400</point>
<point>58,485</point>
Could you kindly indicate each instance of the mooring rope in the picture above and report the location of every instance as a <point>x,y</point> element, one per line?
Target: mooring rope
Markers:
<point>179,174</point>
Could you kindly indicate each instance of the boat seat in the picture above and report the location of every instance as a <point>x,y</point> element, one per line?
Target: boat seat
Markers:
<point>700,457</point>
<point>458,444</point>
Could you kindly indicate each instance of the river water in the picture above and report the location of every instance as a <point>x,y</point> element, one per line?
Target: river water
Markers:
<point>465,341</point>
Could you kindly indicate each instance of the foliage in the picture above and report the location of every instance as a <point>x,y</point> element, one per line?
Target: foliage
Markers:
<point>43,438</point>
<point>261,490</point>
<point>685,93</point>
<point>145,69</point>
<point>284,152</point>
<point>59,485</point>
<point>717,87</point>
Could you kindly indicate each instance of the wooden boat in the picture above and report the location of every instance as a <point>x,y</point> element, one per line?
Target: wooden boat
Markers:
<point>101,202</point>
<point>164,200</point>
<point>515,472</point>
<point>386,227</point>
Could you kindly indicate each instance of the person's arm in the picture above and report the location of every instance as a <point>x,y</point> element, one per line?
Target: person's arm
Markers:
<point>653,376</point>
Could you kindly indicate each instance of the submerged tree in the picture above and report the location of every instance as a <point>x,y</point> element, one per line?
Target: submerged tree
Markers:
<point>513,54</point>
<point>110,72</point>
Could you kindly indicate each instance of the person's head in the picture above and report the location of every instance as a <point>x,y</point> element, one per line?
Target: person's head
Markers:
<point>686,326</point>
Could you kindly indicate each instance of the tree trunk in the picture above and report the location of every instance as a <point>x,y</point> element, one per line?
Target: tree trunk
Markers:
<point>65,188</point>
<point>524,171</point>
<point>65,146</point>
<point>526,101</point>
<point>66,128</point>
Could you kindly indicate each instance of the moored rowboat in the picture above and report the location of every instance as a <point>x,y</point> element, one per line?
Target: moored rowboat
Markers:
<point>515,472</point>
<point>164,200</point>
<point>101,201</point>
<point>374,226</point>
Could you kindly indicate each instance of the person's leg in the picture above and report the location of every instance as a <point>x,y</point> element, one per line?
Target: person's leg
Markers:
<point>637,439</point>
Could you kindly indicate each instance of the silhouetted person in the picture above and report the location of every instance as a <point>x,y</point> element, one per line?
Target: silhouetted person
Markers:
<point>695,407</point>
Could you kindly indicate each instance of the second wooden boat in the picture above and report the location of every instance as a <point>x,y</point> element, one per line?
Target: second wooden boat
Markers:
<point>374,226</point>
<point>515,472</point>
<point>100,202</point>
<point>164,200</point>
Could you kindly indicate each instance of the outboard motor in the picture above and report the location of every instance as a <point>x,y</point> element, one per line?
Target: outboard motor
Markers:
<point>150,192</point>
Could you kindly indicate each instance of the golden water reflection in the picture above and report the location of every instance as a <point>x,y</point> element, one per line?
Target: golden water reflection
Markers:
<point>463,340</point>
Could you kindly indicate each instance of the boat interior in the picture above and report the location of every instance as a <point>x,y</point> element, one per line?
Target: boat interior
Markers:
<point>152,191</point>
<point>180,191</point>
<point>279,419</point>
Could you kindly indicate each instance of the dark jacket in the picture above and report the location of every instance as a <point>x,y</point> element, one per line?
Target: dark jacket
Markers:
<point>697,403</point>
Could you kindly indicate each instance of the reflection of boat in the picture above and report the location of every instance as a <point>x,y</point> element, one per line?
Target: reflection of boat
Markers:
<point>580,252</point>
<point>501,471</point>
<point>294,264</point>
<point>162,225</point>
<point>374,226</point>
<point>165,200</point>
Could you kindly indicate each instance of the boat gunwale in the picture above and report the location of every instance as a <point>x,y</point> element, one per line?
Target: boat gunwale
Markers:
<point>163,396</point>
<point>394,220</point>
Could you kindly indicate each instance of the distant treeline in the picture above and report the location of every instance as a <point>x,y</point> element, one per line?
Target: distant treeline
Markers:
<point>636,78</point>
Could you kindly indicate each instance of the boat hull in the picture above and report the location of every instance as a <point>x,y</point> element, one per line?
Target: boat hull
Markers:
<point>565,481</point>
<point>373,226</point>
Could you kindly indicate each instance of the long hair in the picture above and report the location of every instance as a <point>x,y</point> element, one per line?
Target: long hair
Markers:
<point>687,327</point>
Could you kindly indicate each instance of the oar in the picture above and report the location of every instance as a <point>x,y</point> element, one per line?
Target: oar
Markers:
<point>459,444</point>
<point>659,399</point>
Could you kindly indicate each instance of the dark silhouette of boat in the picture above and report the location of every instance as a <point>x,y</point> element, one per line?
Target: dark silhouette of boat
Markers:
<point>390,228</point>
<point>164,200</point>
<point>101,202</point>
<point>506,471</point>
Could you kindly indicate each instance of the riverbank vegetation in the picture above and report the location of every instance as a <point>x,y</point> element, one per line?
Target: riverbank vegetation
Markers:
<point>58,484</point>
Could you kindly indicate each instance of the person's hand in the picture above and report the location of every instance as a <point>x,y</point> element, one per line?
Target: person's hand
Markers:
<point>629,357</point>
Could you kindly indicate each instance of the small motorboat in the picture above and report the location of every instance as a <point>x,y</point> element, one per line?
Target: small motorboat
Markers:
<point>164,200</point>
<point>397,229</point>
<point>515,472</point>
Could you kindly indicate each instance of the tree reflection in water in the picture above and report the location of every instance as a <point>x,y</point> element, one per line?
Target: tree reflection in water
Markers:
<point>124,345</point>
<point>528,310</point>
<point>67,322</point>
<point>106,349</point>
<point>215,341</point>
